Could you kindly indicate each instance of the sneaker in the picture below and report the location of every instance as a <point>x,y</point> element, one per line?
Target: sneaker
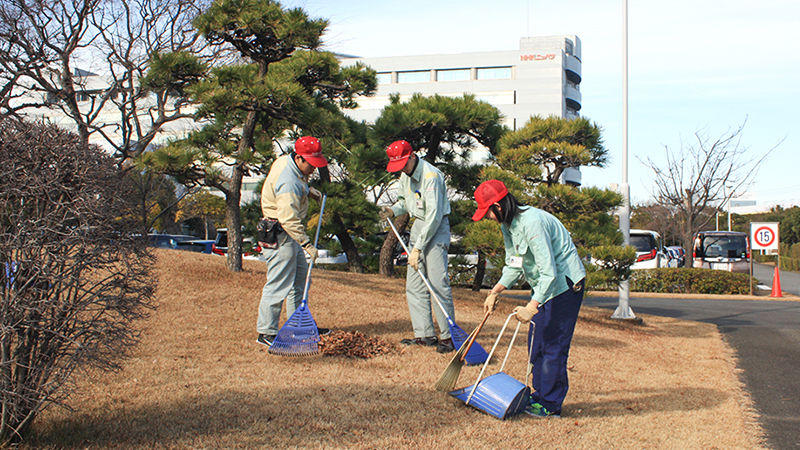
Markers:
<point>266,339</point>
<point>426,341</point>
<point>446,346</point>
<point>537,410</point>
<point>324,331</point>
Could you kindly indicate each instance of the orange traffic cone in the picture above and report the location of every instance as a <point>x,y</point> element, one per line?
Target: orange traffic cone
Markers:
<point>776,284</point>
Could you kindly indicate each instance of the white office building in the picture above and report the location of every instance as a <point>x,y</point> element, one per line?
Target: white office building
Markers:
<point>541,78</point>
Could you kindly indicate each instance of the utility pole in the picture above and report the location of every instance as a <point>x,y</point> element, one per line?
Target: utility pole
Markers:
<point>624,310</point>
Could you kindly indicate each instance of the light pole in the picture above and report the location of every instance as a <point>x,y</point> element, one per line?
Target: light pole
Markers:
<point>730,199</point>
<point>624,310</point>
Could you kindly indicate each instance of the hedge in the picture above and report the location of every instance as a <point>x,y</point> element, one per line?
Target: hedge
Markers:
<point>690,281</point>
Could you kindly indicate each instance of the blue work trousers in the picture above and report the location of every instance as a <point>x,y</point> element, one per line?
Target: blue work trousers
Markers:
<point>554,327</point>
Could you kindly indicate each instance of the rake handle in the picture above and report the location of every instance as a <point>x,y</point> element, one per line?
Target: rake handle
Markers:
<point>316,240</point>
<point>474,335</point>
<point>421,275</point>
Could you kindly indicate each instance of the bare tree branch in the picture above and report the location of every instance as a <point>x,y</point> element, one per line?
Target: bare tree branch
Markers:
<point>701,175</point>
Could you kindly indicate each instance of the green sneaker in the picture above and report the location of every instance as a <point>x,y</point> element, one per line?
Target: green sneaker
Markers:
<point>537,410</point>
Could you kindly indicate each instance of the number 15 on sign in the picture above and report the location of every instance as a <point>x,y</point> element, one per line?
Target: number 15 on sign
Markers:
<point>764,236</point>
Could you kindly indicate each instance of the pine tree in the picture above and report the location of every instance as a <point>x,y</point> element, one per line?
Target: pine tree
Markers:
<point>531,160</point>
<point>286,87</point>
<point>443,131</point>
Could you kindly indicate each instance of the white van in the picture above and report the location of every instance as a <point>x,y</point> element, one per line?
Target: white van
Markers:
<point>722,250</point>
<point>649,250</point>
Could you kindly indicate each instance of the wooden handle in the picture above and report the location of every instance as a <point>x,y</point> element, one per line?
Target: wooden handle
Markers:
<point>474,335</point>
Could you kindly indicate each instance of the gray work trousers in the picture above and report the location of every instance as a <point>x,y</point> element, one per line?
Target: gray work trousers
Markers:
<point>286,277</point>
<point>433,264</point>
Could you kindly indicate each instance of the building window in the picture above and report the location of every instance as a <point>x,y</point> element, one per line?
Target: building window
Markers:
<point>378,102</point>
<point>494,73</point>
<point>452,75</point>
<point>384,78</point>
<point>419,76</point>
<point>497,98</point>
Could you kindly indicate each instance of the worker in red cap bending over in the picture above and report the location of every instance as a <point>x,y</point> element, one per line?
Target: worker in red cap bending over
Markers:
<point>539,248</point>
<point>422,193</point>
<point>282,236</point>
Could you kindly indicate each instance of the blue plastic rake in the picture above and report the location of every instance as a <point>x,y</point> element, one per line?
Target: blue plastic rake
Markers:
<point>299,336</point>
<point>476,353</point>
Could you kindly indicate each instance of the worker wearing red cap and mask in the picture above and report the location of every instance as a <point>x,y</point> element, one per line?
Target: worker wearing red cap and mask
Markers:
<point>284,205</point>
<point>422,193</point>
<point>539,248</point>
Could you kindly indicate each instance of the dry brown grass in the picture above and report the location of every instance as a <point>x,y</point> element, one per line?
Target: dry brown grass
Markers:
<point>200,381</point>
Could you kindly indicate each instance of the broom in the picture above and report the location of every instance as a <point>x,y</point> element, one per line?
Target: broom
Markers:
<point>299,336</point>
<point>478,354</point>
<point>447,381</point>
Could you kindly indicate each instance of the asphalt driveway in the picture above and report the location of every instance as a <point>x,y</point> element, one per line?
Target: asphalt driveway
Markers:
<point>766,337</point>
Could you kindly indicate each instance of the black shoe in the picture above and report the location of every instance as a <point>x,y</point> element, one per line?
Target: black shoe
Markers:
<point>426,341</point>
<point>323,331</point>
<point>446,346</point>
<point>266,339</point>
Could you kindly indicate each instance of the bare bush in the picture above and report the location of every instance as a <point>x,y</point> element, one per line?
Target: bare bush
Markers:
<point>73,279</point>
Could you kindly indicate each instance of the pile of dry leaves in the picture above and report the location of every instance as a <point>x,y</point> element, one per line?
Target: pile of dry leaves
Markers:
<point>353,344</point>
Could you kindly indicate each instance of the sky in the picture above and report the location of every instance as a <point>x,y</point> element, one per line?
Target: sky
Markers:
<point>702,67</point>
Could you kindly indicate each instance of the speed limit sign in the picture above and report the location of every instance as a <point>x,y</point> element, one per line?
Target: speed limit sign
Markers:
<point>764,235</point>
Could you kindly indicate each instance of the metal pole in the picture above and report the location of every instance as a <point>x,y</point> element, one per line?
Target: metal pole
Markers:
<point>730,199</point>
<point>624,310</point>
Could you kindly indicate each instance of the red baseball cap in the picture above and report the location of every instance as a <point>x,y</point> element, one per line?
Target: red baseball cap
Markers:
<point>487,194</point>
<point>309,148</point>
<point>398,152</point>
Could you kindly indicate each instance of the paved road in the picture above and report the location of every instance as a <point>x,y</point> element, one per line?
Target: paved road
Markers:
<point>790,281</point>
<point>766,337</point>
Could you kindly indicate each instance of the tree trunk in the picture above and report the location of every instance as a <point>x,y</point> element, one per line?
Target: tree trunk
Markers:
<point>386,263</point>
<point>234,220</point>
<point>348,246</point>
<point>480,272</point>
<point>434,139</point>
<point>688,247</point>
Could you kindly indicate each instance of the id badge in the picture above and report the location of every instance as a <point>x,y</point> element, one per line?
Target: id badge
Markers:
<point>419,204</point>
<point>515,261</point>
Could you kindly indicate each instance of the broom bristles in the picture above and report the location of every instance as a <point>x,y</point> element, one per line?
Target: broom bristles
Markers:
<point>449,378</point>
<point>447,381</point>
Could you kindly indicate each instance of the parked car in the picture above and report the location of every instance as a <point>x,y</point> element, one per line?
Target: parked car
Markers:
<point>168,240</point>
<point>678,254</point>
<point>220,246</point>
<point>327,257</point>
<point>722,250</point>
<point>649,250</point>
<point>196,245</point>
<point>673,257</point>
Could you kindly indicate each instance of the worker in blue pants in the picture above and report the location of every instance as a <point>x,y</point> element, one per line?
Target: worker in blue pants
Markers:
<point>540,248</point>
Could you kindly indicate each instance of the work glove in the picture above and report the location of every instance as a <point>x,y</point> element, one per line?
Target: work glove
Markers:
<point>386,212</point>
<point>490,304</point>
<point>312,251</point>
<point>315,194</point>
<point>413,258</point>
<point>525,313</point>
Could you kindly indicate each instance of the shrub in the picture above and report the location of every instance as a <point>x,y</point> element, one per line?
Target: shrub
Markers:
<point>75,276</point>
<point>690,281</point>
<point>612,264</point>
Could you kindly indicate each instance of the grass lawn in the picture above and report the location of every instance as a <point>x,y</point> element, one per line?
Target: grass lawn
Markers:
<point>199,380</point>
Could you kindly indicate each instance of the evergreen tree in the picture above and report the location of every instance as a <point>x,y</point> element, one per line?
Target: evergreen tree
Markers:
<point>531,160</point>
<point>443,131</point>
<point>284,85</point>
